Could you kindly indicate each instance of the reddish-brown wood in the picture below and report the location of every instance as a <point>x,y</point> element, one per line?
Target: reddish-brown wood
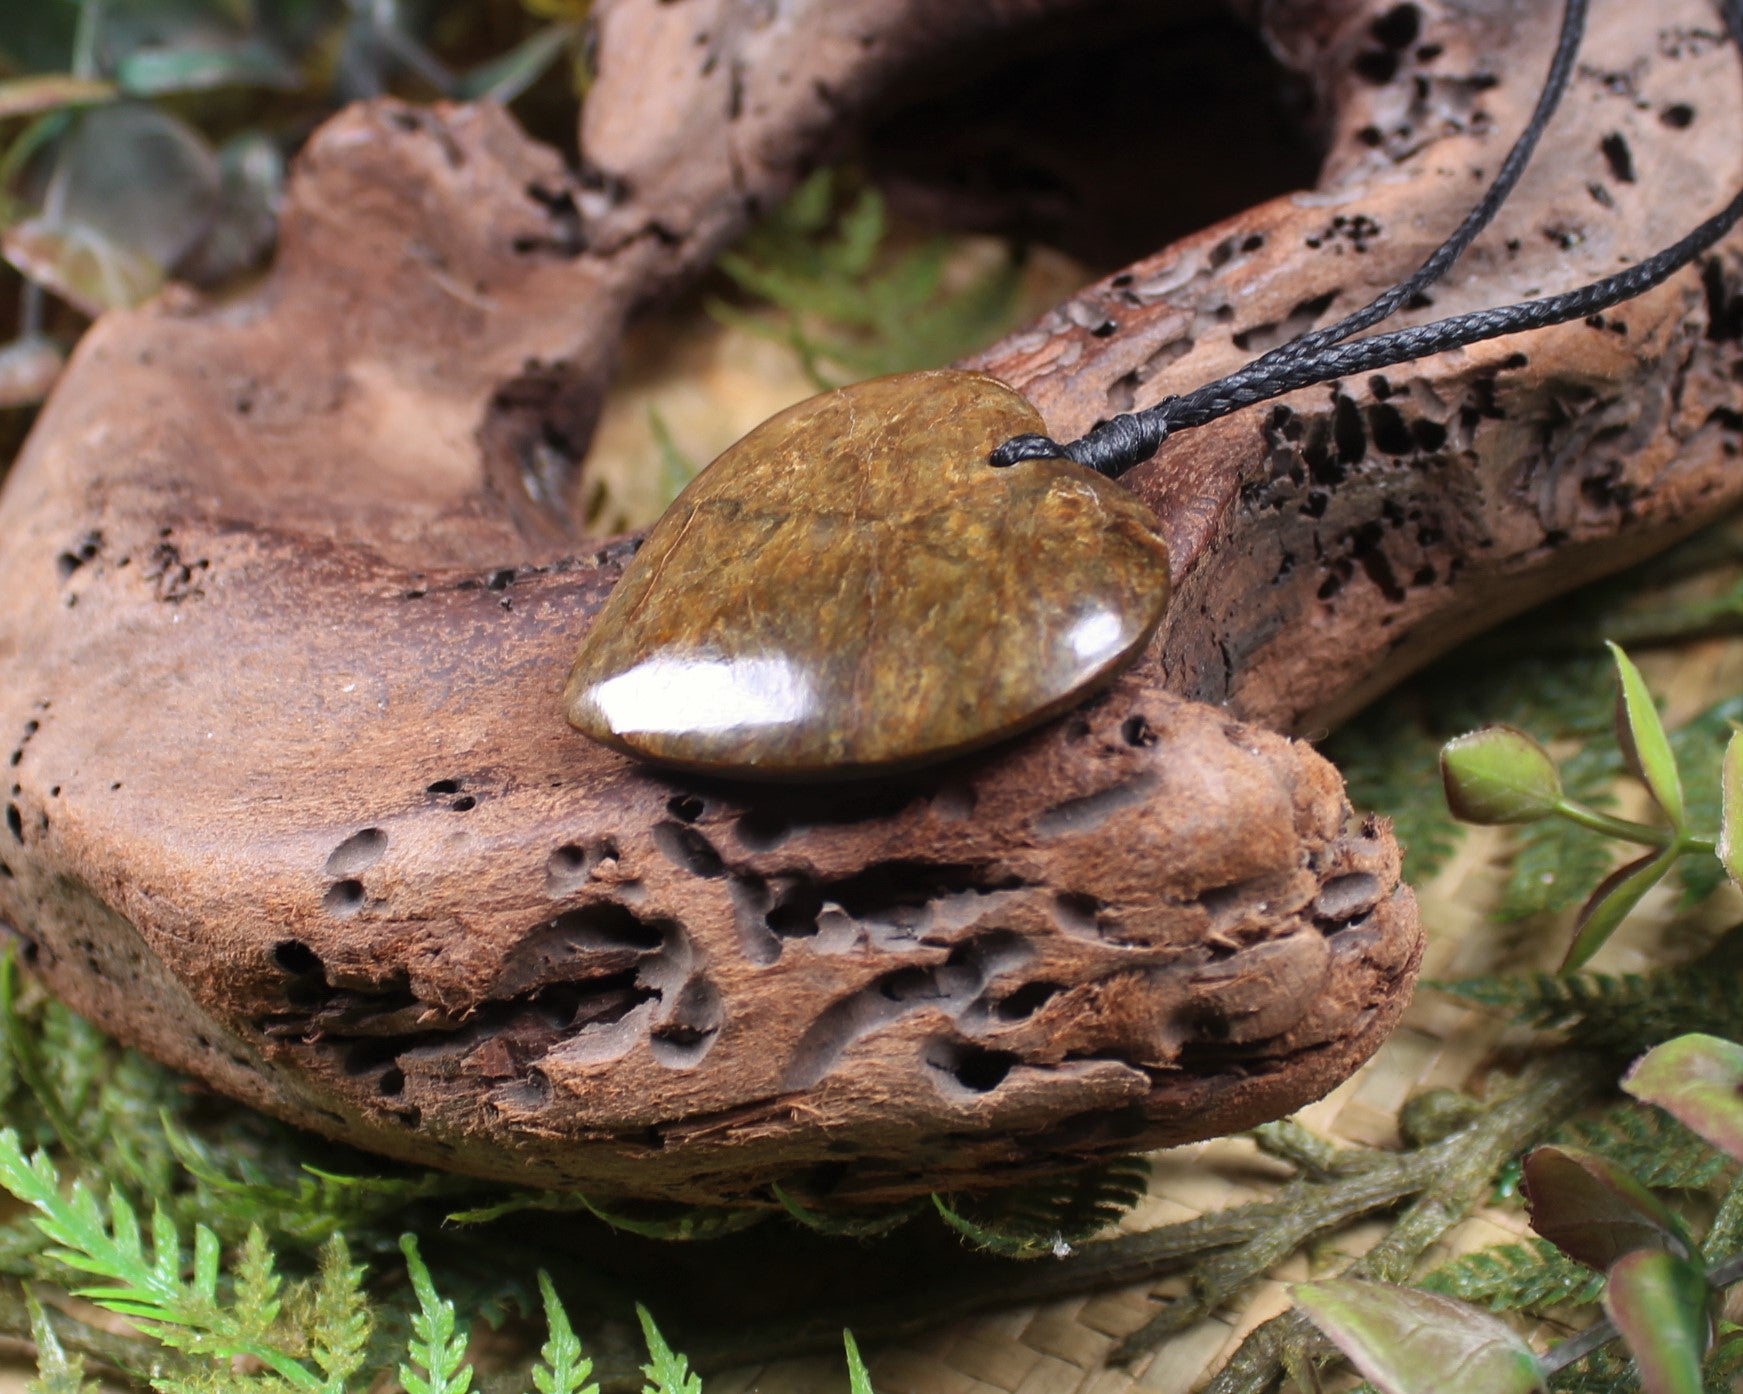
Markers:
<point>289,587</point>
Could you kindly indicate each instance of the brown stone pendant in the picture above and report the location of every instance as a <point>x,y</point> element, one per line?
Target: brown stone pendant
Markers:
<point>852,588</point>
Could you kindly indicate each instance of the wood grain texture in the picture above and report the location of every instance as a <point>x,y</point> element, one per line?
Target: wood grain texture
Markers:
<point>289,586</point>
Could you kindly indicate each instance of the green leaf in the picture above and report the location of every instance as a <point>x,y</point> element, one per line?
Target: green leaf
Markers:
<point>1640,733</point>
<point>1499,775</point>
<point>1412,1342</point>
<point>137,177</point>
<point>27,96</point>
<point>56,1371</point>
<point>339,1317</point>
<point>1659,1303</point>
<point>1698,1080</point>
<point>1613,902</point>
<point>1731,809</point>
<point>562,1367</point>
<point>667,1372</point>
<point>858,1377</point>
<point>1595,1212</point>
<point>196,66</point>
<point>504,78</point>
<point>438,1345</point>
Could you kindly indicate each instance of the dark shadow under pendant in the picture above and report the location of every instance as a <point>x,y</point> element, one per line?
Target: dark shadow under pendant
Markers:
<point>853,589</point>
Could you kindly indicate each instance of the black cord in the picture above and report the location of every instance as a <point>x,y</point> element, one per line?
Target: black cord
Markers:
<point>1130,439</point>
<point>1441,259</point>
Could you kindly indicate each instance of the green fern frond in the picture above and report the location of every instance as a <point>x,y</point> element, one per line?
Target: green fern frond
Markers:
<point>563,1368</point>
<point>56,1371</point>
<point>149,1289</point>
<point>858,1377</point>
<point>233,1190</point>
<point>653,1220</point>
<point>1532,1276</point>
<point>848,1224</point>
<point>676,468</point>
<point>1650,1145</point>
<point>850,304</point>
<point>338,1320</point>
<point>1625,1013</point>
<point>1048,1216</point>
<point>437,1351</point>
<point>1607,1371</point>
<point>667,1372</point>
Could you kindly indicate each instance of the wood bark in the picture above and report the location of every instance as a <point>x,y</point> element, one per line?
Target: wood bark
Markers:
<point>289,586</point>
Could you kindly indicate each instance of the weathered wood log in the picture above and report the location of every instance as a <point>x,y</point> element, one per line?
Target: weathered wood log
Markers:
<point>289,587</point>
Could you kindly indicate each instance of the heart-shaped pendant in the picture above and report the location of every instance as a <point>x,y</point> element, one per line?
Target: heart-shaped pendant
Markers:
<point>852,588</point>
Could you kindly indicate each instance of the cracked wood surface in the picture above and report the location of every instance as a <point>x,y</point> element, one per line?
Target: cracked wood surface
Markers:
<point>289,586</point>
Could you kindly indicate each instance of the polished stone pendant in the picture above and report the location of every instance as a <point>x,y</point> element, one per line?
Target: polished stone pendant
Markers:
<point>852,588</point>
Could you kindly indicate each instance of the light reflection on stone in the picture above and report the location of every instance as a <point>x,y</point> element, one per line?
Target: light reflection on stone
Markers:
<point>671,694</point>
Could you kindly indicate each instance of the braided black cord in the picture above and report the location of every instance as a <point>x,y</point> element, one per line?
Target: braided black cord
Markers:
<point>1441,259</point>
<point>1130,439</point>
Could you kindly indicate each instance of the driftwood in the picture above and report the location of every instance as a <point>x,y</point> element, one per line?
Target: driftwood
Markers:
<point>289,587</point>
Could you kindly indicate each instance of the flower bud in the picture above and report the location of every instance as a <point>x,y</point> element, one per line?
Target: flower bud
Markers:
<point>1499,775</point>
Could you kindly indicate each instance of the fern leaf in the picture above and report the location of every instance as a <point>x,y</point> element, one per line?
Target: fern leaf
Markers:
<point>675,1222</point>
<point>844,299</point>
<point>1533,1276</point>
<point>676,468</point>
<point>1049,1216</point>
<point>438,1345</point>
<point>1649,1144</point>
<point>1724,1367</point>
<point>56,1371</point>
<point>666,1372</point>
<point>1625,1013</point>
<point>562,1367</point>
<point>110,1248</point>
<point>339,1321</point>
<point>257,1285</point>
<point>848,1224</point>
<point>858,1377</point>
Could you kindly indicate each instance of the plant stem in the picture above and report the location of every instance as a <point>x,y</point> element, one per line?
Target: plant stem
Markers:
<point>1623,829</point>
<point>1627,830</point>
<point>84,61</point>
<point>1547,1094</point>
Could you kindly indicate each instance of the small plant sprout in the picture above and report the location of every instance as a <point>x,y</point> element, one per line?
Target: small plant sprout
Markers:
<point>1501,775</point>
